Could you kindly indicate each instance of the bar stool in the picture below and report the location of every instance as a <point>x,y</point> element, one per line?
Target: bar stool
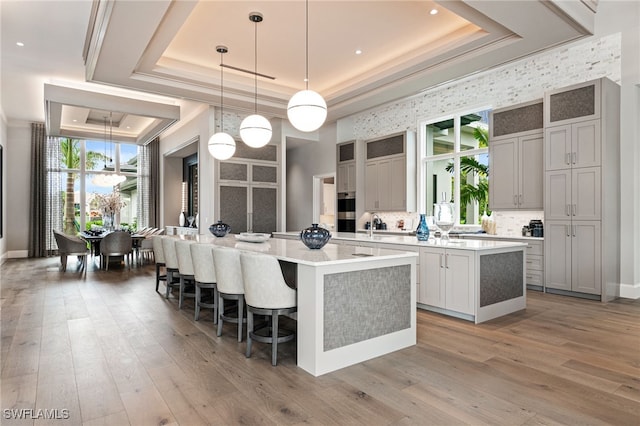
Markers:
<point>171,263</point>
<point>266,293</point>
<point>230,286</point>
<point>158,258</point>
<point>185,268</point>
<point>205,277</point>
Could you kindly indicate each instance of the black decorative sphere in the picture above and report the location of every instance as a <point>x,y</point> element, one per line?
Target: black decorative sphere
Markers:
<point>315,237</point>
<point>220,229</point>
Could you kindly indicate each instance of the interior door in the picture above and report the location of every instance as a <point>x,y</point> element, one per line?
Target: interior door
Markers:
<point>234,207</point>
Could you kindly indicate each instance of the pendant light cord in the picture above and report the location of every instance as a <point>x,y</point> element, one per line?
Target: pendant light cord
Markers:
<point>307,43</point>
<point>255,64</point>
<point>221,90</point>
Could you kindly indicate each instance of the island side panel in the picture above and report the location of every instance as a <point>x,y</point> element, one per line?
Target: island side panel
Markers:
<point>501,281</point>
<point>312,354</point>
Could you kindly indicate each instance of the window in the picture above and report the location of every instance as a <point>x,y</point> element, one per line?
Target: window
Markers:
<point>454,164</point>
<point>75,170</point>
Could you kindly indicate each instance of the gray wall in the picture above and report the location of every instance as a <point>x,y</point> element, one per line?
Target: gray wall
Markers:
<point>17,164</point>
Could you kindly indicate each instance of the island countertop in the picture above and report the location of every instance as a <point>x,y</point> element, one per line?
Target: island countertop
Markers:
<point>461,244</point>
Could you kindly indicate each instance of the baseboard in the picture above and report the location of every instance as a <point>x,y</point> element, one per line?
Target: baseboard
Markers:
<point>17,254</point>
<point>630,291</point>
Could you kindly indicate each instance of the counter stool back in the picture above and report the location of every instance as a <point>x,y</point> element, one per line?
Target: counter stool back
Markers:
<point>171,263</point>
<point>205,276</point>
<point>266,293</point>
<point>185,268</point>
<point>230,286</point>
<point>158,258</point>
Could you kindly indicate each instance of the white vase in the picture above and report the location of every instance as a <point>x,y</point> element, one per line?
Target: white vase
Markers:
<point>181,219</point>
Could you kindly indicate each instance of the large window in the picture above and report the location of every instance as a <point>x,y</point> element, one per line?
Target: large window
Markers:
<point>454,164</point>
<point>78,171</point>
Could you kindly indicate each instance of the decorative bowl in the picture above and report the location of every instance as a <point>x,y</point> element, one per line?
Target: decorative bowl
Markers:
<point>315,237</point>
<point>220,229</point>
<point>252,237</point>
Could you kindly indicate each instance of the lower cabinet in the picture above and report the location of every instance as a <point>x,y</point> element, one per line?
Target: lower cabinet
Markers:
<point>447,279</point>
<point>573,260</point>
<point>249,208</point>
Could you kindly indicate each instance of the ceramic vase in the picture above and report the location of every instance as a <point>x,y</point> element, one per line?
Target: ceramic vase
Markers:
<point>422,231</point>
<point>315,237</point>
<point>219,229</point>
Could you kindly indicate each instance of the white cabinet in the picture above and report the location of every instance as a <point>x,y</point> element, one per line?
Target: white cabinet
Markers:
<point>346,176</point>
<point>572,262</point>
<point>346,167</point>
<point>516,168</point>
<point>582,189</point>
<point>447,279</point>
<point>390,173</point>
<point>516,173</point>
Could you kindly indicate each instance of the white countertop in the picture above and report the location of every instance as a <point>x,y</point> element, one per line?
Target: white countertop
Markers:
<point>463,244</point>
<point>503,237</point>
<point>295,251</point>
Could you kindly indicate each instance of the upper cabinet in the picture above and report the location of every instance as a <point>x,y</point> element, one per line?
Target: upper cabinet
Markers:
<point>346,167</point>
<point>390,173</point>
<point>516,146</point>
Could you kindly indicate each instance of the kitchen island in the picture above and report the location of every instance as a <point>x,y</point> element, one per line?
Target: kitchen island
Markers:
<point>476,280</point>
<point>354,303</point>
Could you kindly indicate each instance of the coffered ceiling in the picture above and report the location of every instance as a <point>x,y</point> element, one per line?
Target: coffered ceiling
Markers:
<point>166,49</point>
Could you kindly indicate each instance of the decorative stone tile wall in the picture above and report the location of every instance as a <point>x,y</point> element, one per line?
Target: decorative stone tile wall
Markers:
<point>510,84</point>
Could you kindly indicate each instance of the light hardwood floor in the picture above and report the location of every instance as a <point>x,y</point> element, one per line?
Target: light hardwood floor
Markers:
<point>110,350</point>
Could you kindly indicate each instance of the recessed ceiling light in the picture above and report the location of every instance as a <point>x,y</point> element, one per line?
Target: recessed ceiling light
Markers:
<point>358,52</point>
<point>20,44</point>
<point>75,121</point>
<point>434,11</point>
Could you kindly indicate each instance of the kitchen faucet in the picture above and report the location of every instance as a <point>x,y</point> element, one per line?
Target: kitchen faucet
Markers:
<point>374,216</point>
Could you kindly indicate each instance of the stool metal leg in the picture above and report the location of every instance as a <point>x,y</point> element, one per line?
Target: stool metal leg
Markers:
<point>274,333</point>
<point>198,296</point>
<point>249,331</point>
<point>240,315</point>
<point>220,312</point>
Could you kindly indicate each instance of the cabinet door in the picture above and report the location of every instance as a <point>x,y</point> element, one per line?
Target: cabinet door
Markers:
<point>371,186</point>
<point>585,144</point>
<point>351,177</point>
<point>557,204</point>
<point>503,182</point>
<point>557,147</point>
<point>460,284</point>
<point>531,173</point>
<point>398,184</point>
<point>384,185</point>
<point>585,193</point>
<point>342,178</point>
<point>432,280</point>
<point>234,207</point>
<point>557,254</point>
<point>264,203</point>
<point>586,275</point>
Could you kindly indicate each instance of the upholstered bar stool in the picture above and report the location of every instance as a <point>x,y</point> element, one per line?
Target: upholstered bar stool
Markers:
<point>185,268</point>
<point>158,258</point>
<point>171,263</point>
<point>230,286</point>
<point>205,277</point>
<point>266,293</point>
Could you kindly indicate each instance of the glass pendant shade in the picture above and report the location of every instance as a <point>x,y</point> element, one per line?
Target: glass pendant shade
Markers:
<point>255,131</point>
<point>307,110</point>
<point>221,146</point>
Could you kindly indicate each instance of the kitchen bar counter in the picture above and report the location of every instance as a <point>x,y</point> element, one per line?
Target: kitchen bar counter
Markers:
<point>354,303</point>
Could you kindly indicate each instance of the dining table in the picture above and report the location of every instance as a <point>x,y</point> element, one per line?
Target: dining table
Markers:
<point>94,239</point>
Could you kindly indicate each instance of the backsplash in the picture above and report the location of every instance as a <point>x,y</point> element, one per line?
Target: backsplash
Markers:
<point>510,84</point>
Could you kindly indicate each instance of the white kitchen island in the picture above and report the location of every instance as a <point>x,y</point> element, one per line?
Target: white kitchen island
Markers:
<point>354,303</point>
<point>476,280</point>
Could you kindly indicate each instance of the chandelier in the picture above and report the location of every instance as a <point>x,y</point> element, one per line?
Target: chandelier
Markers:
<point>108,179</point>
<point>221,145</point>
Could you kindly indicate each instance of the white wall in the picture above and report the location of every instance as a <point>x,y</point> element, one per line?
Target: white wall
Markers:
<point>17,162</point>
<point>3,139</point>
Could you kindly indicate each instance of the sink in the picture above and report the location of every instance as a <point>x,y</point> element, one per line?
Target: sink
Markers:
<point>361,254</point>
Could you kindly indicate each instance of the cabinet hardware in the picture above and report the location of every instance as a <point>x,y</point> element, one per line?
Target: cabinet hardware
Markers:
<point>574,229</point>
<point>566,230</point>
<point>567,210</point>
<point>515,200</point>
<point>574,157</point>
<point>520,199</point>
<point>567,158</point>
<point>573,210</point>
<point>441,260</point>
<point>446,261</point>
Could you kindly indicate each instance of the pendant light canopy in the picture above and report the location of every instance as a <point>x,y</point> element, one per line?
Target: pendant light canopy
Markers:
<point>255,130</point>
<point>111,179</point>
<point>221,145</point>
<point>307,110</point>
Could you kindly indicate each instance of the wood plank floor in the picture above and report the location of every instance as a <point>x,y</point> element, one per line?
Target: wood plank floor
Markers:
<point>105,349</point>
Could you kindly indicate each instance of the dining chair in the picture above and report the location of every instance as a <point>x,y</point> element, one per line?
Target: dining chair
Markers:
<point>70,245</point>
<point>116,243</point>
<point>266,293</point>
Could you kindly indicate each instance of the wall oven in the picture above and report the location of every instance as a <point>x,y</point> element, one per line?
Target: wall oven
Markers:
<point>346,212</point>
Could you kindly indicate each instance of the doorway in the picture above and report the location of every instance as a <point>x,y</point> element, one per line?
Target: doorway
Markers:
<point>324,200</point>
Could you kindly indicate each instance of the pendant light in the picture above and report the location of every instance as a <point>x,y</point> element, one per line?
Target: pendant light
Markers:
<point>255,130</point>
<point>111,179</point>
<point>221,145</point>
<point>307,110</point>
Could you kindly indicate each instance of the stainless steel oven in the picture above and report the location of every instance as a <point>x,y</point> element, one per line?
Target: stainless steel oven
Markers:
<point>346,212</point>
